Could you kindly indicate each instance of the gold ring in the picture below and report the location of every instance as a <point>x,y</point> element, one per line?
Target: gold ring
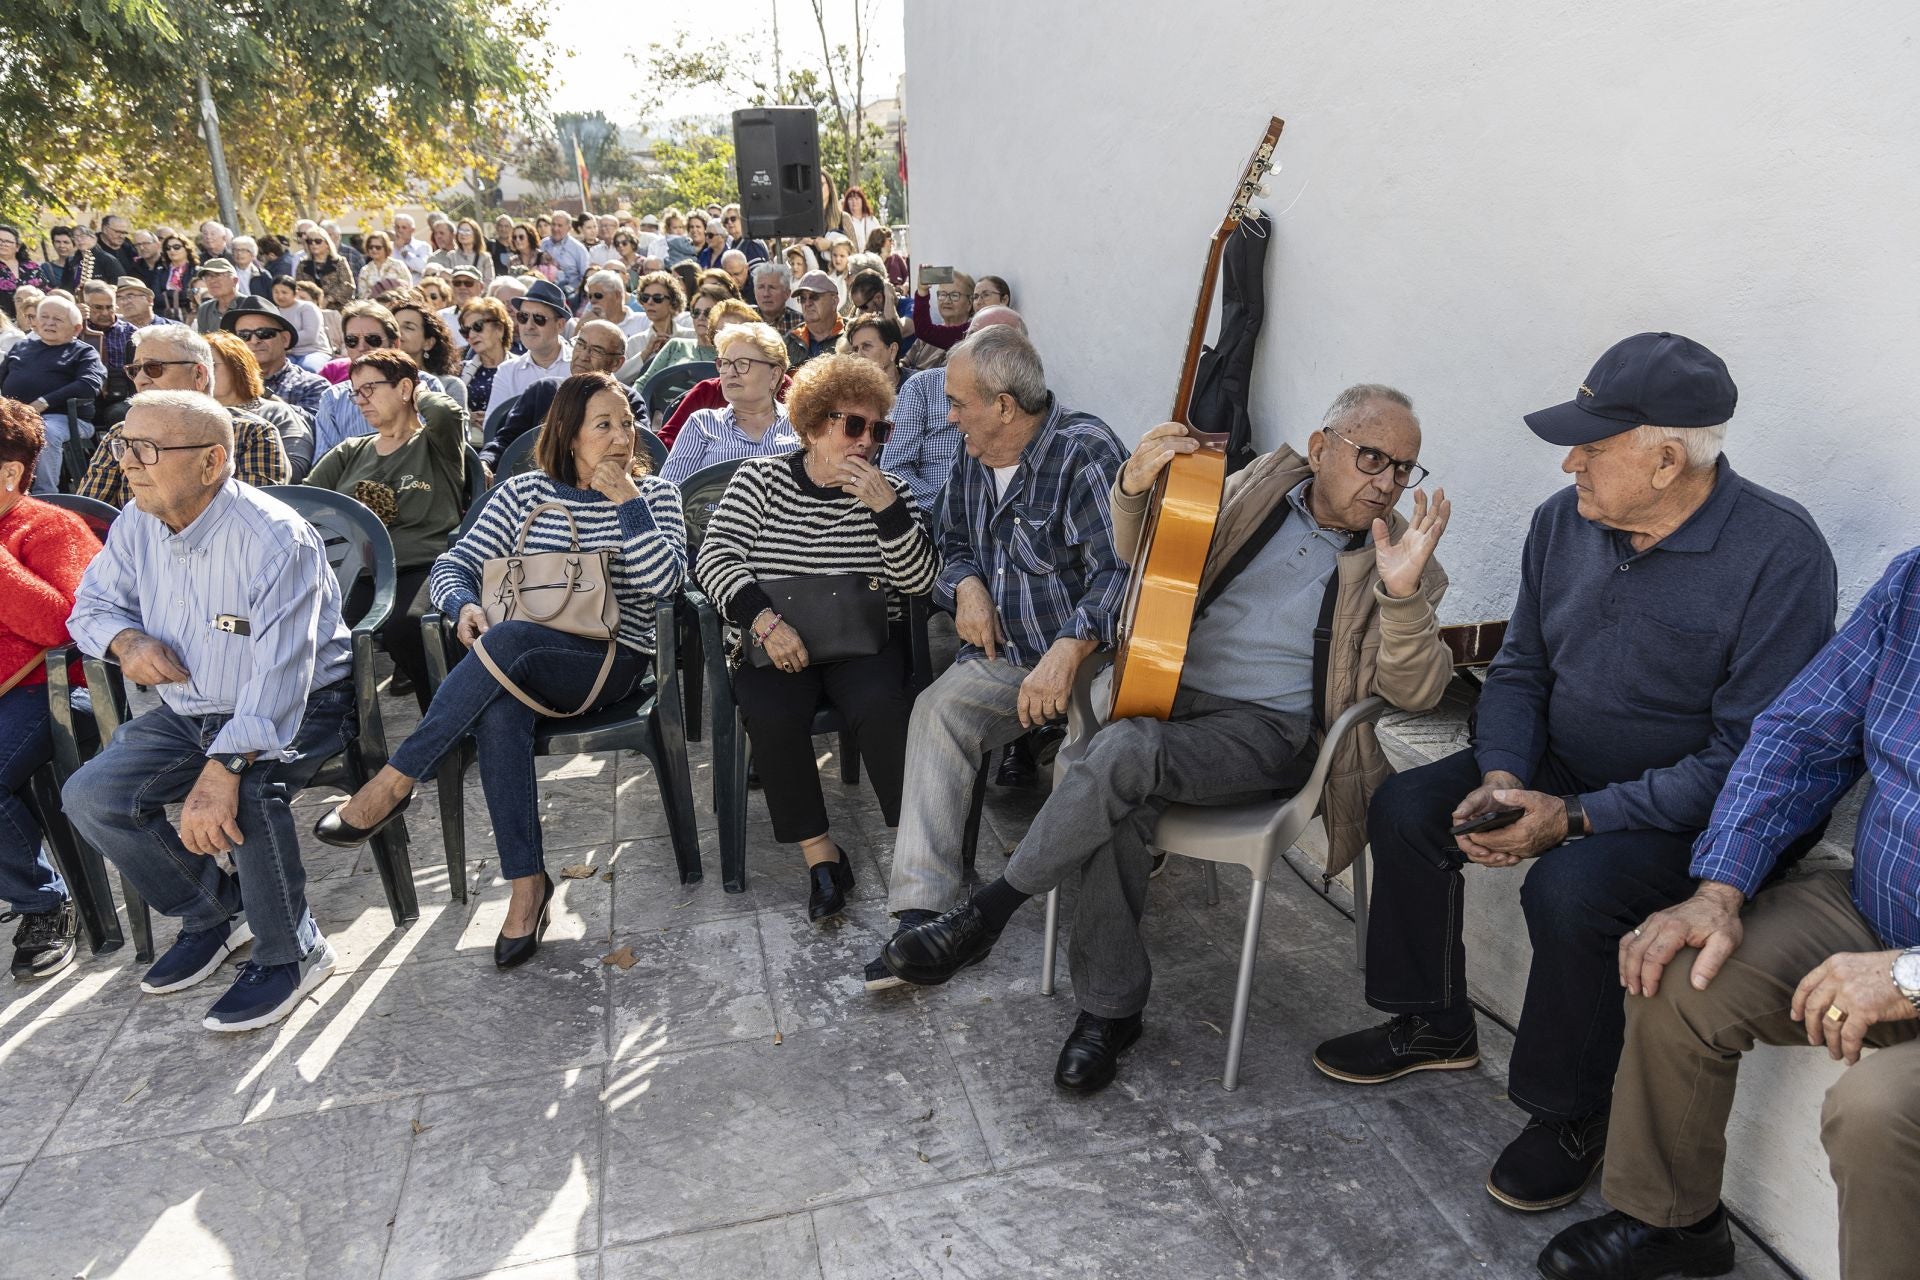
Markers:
<point>1836,1014</point>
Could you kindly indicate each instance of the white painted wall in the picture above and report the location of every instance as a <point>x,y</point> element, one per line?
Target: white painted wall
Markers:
<point>1479,200</point>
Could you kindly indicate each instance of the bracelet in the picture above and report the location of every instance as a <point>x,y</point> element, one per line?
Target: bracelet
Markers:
<point>760,637</point>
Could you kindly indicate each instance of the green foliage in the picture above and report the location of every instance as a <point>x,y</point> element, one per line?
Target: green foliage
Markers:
<point>692,167</point>
<point>545,158</point>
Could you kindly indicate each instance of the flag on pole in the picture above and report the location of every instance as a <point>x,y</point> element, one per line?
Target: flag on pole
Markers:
<point>580,167</point>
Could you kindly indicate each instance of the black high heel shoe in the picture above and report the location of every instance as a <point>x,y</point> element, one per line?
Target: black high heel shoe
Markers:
<point>510,952</point>
<point>332,829</point>
<point>828,883</point>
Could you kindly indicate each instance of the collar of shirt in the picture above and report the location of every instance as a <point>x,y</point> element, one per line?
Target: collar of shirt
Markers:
<point>193,539</point>
<point>1297,499</point>
<point>1701,530</point>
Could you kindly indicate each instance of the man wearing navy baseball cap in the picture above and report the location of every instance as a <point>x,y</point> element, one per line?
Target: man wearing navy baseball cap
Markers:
<point>1664,601</point>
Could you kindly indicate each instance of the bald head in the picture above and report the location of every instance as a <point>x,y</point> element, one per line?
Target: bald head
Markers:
<point>598,347</point>
<point>987,317</point>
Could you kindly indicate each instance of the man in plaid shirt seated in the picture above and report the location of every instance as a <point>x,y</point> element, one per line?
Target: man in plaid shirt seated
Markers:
<point>1831,959</point>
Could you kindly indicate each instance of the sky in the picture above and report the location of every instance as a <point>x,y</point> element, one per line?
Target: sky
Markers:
<point>595,67</point>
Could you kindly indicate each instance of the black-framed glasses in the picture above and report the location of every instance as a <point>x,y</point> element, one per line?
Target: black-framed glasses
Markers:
<point>474,330</point>
<point>741,366</point>
<point>363,391</point>
<point>262,334</point>
<point>316,240</point>
<point>604,353</point>
<point>367,340</point>
<point>1373,462</point>
<point>655,297</point>
<point>153,368</point>
<point>857,425</point>
<point>148,451</point>
<point>538,319</point>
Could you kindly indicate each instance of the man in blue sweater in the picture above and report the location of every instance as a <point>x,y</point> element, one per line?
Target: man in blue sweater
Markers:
<point>48,372</point>
<point>1664,602</point>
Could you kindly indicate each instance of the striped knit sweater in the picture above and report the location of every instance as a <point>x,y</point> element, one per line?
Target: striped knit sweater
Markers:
<point>775,522</point>
<point>648,531</point>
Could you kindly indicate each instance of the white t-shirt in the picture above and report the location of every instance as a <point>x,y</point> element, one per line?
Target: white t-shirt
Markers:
<point>1002,477</point>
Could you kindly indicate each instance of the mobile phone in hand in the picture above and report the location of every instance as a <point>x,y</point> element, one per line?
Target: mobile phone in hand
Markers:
<point>936,275</point>
<point>1492,820</point>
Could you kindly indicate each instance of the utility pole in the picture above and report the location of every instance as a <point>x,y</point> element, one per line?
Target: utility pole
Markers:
<point>210,128</point>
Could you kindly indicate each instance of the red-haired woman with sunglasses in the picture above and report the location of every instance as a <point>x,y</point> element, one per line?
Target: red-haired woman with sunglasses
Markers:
<point>823,509</point>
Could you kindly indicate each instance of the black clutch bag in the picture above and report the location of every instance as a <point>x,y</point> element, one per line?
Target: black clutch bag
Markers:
<point>836,615</point>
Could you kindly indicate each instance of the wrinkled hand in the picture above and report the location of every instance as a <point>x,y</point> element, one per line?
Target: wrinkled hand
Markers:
<point>210,818</point>
<point>783,646</point>
<point>145,660</point>
<point>1543,827</point>
<point>1478,801</point>
<point>975,619</point>
<point>611,480</point>
<point>860,479</point>
<point>1860,985</point>
<point>471,625</point>
<point>1401,563</point>
<point>1155,450</point>
<point>1709,920</point>
<point>1045,691</point>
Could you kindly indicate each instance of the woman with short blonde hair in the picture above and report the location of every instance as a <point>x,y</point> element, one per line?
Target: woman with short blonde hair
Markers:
<point>752,360</point>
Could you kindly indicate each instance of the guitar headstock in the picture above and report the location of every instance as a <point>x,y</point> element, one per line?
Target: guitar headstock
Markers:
<point>1252,178</point>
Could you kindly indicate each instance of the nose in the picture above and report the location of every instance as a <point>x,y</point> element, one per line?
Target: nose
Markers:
<point>1571,463</point>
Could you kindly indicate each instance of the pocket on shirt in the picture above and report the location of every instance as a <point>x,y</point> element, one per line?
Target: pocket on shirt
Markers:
<point>1671,669</point>
<point>1032,541</point>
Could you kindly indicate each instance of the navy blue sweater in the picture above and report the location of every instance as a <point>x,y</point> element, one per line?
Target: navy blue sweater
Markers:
<point>1642,672</point>
<point>33,371</point>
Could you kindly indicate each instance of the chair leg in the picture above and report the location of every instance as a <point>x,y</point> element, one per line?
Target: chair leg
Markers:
<point>693,677</point>
<point>84,870</point>
<point>730,780</point>
<point>676,786</point>
<point>390,856</point>
<point>849,758</point>
<point>1053,942</point>
<point>1243,993</point>
<point>970,836</point>
<point>139,920</point>
<point>451,784</point>
<point>1213,884</point>
<point>1360,910</point>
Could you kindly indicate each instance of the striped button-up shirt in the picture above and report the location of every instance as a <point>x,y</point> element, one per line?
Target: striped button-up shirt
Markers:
<point>1044,549</point>
<point>923,444</point>
<point>713,435</point>
<point>1854,709</point>
<point>247,556</point>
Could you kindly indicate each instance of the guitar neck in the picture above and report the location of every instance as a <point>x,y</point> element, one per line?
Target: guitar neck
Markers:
<point>1197,341</point>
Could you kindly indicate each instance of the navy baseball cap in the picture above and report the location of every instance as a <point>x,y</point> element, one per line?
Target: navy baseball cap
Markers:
<point>1656,379</point>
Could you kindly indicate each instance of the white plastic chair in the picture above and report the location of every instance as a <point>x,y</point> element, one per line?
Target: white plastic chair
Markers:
<point>1253,836</point>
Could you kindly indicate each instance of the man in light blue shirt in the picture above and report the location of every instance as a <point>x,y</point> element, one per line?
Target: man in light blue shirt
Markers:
<point>221,598</point>
<point>568,254</point>
<point>925,441</point>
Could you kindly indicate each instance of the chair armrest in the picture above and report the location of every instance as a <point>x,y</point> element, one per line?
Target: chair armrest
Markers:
<point>666,645</point>
<point>377,613</point>
<point>66,736</point>
<point>1082,717</point>
<point>371,735</point>
<point>436,635</point>
<point>109,689</point>
<point>1365,711</point>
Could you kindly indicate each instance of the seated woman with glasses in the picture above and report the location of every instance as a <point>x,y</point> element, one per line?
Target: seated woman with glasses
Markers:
<point>488,328</point>
<point>326,269</point>
<point>412,473</point>
<point>662,301</point>
<point>310,349</point>
<point>752,363</point>
<point>587,460</point>
<point>825,509</point>
<point>699,345</point>
<point>383,273</point>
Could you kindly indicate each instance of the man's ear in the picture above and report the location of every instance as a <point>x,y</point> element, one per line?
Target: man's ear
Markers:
<point>1316,444</point>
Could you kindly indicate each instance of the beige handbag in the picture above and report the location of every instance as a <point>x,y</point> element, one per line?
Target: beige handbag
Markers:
<point>569,591</point>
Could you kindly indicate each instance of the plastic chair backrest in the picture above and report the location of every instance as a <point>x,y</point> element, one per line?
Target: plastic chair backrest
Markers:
<point>700,495</point>
<point>663,390</point>
<point>98,515</point>
<point>496,414</point>
<point>357,544</point>
<point>518,456</point>
<point>476,476</point>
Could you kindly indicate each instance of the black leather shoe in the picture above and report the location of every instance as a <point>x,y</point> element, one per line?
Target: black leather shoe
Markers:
<point>828,884</point>
<point>43,945</point>
<point>331,830</point>
<point>509,952</point>
<point>1617,1247</point>
<point>1393,1049</point>
<point>1017,767</point>
<point>1549,1164</point>
<point>1091,1055</point>
<point>930,954</point>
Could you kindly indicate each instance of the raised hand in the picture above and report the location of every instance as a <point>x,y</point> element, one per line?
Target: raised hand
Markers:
<point>1401,563</point>
<point>860,479</point>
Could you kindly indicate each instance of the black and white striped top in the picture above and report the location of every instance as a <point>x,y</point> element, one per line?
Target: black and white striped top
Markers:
<point>648,532</point>
<point>775,522</point>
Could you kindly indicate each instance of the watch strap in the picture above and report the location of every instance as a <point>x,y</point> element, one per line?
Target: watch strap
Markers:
<point>1576,818</point>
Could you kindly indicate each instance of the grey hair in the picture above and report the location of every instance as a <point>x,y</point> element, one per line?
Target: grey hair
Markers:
<point>1703,445</point>
<point>731,254</point>
<point>1005,363</point>
<point>613,278</point>
<point>181,339</point>
<point>245,242</point>
<point>507,288</point>
<point>771,268</point>
<point>196,408</point>
<point>60,303</point>
<point>97,286</point>
<point>987,317</point>
<point>1357,397</point>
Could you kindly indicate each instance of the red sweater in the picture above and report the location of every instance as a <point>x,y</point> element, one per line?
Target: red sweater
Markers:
<point>44,550</point>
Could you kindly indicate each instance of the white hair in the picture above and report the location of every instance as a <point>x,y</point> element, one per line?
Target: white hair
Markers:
<point>613,278</point>
<point>731,254</point>
<point>1702,444</point>
<point>507,288</point>
<point>1005,363</point>
<point>780,269</point>
<point>192,409</point>
<point>987,317</point>
<point>182,339</point>
<point>59,303</point>
<point>245,242</point>
<point>1354,400</point>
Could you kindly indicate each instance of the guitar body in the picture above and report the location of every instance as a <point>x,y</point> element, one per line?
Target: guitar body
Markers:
<point>1157,616</point>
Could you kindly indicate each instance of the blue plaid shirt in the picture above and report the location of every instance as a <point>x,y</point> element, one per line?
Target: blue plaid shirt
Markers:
<point>921,448</point>
<point>1855,708</point>
<point>1045,550</point>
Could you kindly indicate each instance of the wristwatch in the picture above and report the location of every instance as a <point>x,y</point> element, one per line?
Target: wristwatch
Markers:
<point>235,765</point>
<point>1906,975</point>
<point>1576,818</point>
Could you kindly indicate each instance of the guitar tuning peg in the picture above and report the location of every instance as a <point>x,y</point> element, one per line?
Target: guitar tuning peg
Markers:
<point>1264,189</point>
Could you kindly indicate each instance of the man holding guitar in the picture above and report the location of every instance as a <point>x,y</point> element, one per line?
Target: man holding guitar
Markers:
<point>1304,547</point>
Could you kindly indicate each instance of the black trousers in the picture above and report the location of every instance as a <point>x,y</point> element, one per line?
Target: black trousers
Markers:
<point>778,707</point>
<point>1578,899</point>
<point>400,636</point>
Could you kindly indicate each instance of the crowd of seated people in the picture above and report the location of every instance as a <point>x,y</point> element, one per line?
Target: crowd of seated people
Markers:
<point>1667,727</point>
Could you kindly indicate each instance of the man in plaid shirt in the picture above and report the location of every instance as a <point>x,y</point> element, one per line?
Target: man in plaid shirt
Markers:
<point>1031,575</point>
<point>1830,959</point>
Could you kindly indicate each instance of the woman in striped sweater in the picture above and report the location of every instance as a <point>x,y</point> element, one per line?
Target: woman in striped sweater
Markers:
<point>586,459</point>
<point>825,509</point>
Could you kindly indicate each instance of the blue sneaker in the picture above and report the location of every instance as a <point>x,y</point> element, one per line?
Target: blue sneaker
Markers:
<point>195,954</point>
<point>265,993</point>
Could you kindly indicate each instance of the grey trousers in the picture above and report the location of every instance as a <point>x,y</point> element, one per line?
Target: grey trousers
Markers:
<point>1100,818</point>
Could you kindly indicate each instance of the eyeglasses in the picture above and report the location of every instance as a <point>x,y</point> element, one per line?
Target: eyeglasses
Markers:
<point>949,295</point>
<point>259,335</point>
<point>1373,462</point>
<point>602,297</point>
<point>732,217</point>
<point>175,244</point>
<point>741,366</point>
<point>984,295</point>
<point>474,330</point>
<point>605,353</point>
<point>538,319</point>
<point>316,240</point>
<point>367,340</point>
<point>153,368</point>
<point>855,425</point>
<point>147,451</point>
<point>655,297</point>
<point>363,391</point>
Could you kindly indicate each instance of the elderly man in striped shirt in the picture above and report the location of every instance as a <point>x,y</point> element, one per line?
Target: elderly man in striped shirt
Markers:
<point>220,597</point>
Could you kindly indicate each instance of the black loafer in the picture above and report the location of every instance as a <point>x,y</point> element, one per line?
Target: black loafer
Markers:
<point>1091,1055</point>
<point>1617,1247</point>
<point>1393,1049</point>
<point>933,952</point>
<point>1549,1164</point>
<point>511,952</point>
<point>1017,766</point>
<point>828,883</point>
<point>332,830</point>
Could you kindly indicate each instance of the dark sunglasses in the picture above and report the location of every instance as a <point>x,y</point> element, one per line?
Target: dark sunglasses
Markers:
<point>258,335</point>
<point>153,368</point>
<point>599,297</point>
<point>370,340</point>
<point>316,240</point>
<point>856,426</point>
<point>538,319</point>
<point>655,297</point>
<point>471,330</point>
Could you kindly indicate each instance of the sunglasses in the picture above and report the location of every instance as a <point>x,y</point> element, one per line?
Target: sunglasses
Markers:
<point>856,426</point>
<point>153,368</point>
<point>655,297</point>
<point>316,240</point>
<point>258,335</point>
<point>602,297</point>
<point>474,330</point>
<point>369,341</point>
<point>538,319</point>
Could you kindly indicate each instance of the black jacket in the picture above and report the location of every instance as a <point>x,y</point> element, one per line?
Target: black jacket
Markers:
<point>1223,385</point>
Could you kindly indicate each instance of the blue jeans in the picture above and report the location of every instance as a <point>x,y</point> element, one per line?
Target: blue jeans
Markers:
<point>555,668</point>
<point>115,802</point>
<point>28,882</point>
<point>46,469</point>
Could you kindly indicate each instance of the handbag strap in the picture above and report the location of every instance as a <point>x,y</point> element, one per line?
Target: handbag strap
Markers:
<point>526,525</point>
<point>538,707</point>
<point>22,673</point>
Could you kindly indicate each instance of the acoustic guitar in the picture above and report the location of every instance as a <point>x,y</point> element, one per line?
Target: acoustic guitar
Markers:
<point>1158,613</point>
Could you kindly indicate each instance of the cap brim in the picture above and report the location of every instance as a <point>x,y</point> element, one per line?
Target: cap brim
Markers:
<point>1568,424</point>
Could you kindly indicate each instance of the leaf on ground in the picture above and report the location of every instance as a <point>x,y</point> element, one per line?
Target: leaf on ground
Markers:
<point>135,1092</point>
<point>623,959</point>
<point>1216,1030</point>
<point>923,1157</point>
<point>419,1128</point>
<point>579,871</point>
<point>607,876</point>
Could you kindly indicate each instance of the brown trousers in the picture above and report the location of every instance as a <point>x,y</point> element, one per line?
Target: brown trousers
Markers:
<point>1667,1144</point>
